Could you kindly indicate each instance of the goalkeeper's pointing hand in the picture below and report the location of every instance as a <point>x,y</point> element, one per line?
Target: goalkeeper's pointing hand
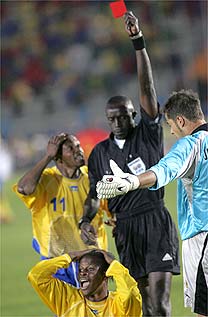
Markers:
<point>117,184</point>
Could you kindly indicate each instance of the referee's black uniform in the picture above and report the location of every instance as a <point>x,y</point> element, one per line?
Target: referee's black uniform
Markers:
<point>145,235</point>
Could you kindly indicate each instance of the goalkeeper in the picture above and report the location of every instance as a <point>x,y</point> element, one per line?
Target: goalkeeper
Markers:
<point>187,161</point>
<point>145,235</point>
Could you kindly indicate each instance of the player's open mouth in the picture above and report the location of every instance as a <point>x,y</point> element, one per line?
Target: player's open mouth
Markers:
<point>84,284</point>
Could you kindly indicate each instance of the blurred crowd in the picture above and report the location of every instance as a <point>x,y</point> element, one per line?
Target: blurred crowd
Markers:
<point>62,60</point>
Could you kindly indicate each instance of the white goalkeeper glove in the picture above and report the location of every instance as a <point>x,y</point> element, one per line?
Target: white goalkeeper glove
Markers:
<point>117,184</point>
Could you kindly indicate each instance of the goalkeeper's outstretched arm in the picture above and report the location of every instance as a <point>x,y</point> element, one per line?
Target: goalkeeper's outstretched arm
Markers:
<point>120,183</point>
<point>147,179</point>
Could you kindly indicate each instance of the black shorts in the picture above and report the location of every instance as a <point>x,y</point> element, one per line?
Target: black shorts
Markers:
<point>147,242</point>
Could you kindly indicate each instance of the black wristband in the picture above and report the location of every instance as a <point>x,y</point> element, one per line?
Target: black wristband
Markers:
<point>83,219</point>
<point>139,43</point>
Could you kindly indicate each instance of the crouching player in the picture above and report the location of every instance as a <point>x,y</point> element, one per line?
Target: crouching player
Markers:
<point>93,297</point>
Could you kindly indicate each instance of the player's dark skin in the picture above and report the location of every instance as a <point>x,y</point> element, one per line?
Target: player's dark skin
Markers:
<point>91,276</point>
<point>66,151</point>
<point>154,288</point>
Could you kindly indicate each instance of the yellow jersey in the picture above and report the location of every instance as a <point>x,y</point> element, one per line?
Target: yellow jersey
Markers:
<point>56,208</point>
<point>66,301</point>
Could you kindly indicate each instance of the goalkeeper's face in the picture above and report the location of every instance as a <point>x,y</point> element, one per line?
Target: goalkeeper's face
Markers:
<point>120,119</point>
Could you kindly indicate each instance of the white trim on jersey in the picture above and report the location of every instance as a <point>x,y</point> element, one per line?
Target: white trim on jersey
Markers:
<point>74,268</point>
<point>192,253</point>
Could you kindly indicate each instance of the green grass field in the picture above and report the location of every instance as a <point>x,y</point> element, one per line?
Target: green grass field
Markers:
<point>17,257</point>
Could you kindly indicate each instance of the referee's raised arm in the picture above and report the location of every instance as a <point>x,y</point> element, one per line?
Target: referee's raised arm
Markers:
<point>147,93</point>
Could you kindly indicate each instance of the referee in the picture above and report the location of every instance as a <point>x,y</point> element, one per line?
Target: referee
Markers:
<point>145,235</point>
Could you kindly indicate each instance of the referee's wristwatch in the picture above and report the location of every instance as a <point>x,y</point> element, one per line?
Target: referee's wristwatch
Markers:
<point>83,219</point>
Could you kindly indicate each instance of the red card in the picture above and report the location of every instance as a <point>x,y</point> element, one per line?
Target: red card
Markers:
<point>118,8</point>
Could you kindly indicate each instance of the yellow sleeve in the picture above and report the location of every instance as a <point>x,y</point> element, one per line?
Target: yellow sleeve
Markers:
<point>28,200</point>
<point>127,297</point>
<point>36,199</point>
<point>56,294</point>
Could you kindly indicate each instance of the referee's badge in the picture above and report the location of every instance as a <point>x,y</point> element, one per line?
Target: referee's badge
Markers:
<point>137,166</point>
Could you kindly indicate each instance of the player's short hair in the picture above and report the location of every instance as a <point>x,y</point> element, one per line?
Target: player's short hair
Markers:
<point>60,149</point>
<point>184,103</point>
<point>99,259</point>
<point>119,100</point>
<point>59,152</point>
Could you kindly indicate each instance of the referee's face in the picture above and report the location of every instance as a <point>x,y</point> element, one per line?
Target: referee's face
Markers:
<point>120,119</point>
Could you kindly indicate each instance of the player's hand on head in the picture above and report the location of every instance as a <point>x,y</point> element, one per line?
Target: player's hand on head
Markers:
<point>54,144</point>
<point>118,184</point>
<point>76,255</point>
<point>131,23</point>
<point>109,257</point>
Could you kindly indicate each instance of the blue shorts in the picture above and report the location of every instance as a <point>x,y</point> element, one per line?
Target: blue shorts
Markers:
<point>68,275</point>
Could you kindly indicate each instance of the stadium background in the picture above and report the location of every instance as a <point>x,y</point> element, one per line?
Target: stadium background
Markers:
<point>60,62</point>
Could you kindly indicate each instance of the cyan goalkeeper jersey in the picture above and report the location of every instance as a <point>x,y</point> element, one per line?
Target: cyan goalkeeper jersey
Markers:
<point>56,207</point>
<point>187,161</point>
